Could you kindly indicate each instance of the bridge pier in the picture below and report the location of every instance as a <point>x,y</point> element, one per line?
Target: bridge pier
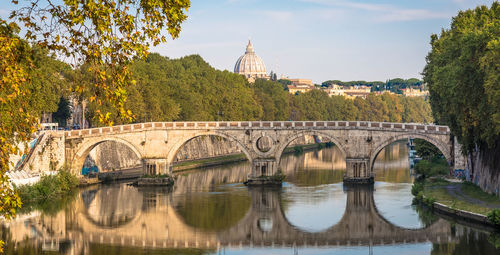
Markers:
<point>155,166</point>
<point>264,172</point>
<point>358,171</point>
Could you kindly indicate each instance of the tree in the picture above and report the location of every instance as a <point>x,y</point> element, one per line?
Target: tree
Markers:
<point>463,78</point>
<point>63,112</point>
<point>17,118</point>
<point>105,35</point>
<point>273,99</point>
<point>427,150</point>
<point>285,83</point>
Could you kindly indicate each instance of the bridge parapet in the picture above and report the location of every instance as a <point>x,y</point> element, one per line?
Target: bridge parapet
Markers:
<point>232,125</point>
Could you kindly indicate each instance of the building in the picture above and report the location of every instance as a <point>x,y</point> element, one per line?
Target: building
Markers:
<point>334,90</point>
<point>350,92</point>
<point>300,85</point>
<point>357,91</point>
<point>411,92</point>
<point>250,65</point>
<point>293,89</point>
<point>299,82</point>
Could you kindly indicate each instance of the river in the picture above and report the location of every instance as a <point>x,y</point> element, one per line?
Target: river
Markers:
<point>210,211</point>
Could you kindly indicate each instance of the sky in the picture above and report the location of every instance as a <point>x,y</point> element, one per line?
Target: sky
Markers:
<point>315,39</point>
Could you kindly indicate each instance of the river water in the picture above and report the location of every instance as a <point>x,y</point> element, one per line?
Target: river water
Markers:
<point>210,211</point>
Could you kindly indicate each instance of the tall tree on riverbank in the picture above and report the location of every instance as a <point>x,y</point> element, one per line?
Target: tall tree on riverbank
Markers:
<point>463,75</point>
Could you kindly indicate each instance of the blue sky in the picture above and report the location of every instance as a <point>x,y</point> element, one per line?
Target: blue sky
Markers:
<point>315,39</point>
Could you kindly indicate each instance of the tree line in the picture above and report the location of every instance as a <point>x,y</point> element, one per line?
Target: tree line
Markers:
<point>394,85</point>
<point>190,89</point>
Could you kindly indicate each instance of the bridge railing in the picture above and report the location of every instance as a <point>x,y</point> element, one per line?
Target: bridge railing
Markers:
<point>260,125</point>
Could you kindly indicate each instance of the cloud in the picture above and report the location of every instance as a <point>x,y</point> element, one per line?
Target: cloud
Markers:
<point>413,14</point>
<point>385,12</point>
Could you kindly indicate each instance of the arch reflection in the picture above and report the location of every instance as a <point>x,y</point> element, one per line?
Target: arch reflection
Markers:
<point>112,205</point>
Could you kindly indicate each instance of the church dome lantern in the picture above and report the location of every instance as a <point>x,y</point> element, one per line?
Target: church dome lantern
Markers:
<point>250,65</point>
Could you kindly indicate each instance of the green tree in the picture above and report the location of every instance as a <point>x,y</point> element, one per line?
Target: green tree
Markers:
<point>426,150</point>
<point>463,78</point>
<point>312,105</point>
<point>63,112</point>
<point>285,83</point>
<point>273,99</point>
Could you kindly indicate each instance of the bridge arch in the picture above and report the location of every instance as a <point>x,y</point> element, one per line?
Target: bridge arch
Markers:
<point>181,142</point>
<point>281,148</point>
<point>444,148</point>
<point>84,150</point>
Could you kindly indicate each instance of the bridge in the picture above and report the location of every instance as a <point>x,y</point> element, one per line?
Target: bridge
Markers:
<point>263,142</point>
<point>105,216</point>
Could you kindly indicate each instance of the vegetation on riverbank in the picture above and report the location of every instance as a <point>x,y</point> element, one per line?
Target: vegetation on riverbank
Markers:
<point>463,196</point>
<point>494,216</point>
<point>57,189</point>
<point>432,167</point>
<point>430,186</point>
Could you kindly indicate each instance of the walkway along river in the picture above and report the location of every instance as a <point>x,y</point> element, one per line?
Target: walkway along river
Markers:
<point>209,211</point>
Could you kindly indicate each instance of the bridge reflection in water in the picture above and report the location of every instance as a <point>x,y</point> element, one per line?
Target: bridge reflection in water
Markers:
<point>126,216</point>
<point>106,215</point>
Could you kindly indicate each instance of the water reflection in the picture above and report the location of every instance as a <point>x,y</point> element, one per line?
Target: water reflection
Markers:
<point>209,211</point>
<point>301,204</point>
<point>392,165</point>
<point>111,205</point>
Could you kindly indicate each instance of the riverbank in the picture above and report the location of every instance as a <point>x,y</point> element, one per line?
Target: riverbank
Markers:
<point>462,200</point>
<point>50,193</point>
<point>233,158</point>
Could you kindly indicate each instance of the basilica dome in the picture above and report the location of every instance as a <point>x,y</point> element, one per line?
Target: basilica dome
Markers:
<point>250,65</point>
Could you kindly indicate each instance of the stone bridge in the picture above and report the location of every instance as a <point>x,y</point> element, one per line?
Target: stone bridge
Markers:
<point>156,223</point>
<point>263,142</point>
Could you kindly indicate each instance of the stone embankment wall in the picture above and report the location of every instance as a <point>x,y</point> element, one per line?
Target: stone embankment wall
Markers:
<point>48,155</point>
<point>485,165</point>
<point>114,155</point>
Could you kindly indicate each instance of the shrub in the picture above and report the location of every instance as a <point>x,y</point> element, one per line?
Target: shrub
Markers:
<point>429,201</point>
<point>494,216</point>
<point>49,187</point>
<point>437,166</point>
<point>417,188</point>
<point>298,149</point>
<point>494,239</point>
<point>51,194</point>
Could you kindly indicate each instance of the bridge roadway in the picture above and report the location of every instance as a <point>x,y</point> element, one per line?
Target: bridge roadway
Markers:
<point>155,223</point>
<point>263,142</point>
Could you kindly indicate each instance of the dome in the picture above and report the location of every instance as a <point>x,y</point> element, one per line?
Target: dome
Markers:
<point>250,65</point>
